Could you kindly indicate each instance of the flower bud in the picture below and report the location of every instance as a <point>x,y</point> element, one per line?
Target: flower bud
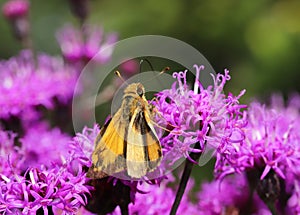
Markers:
<point>16,11</point>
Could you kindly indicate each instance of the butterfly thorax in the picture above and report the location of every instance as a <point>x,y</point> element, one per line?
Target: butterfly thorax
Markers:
<point>133,100</point>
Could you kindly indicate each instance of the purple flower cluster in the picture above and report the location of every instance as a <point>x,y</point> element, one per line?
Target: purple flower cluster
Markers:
<point>15,8</point>
<point>231,196</point>
<point>52,146</point>
<point>204,116</point>
<point>48,180</point>
<point>43,170</point>
<point>10,158</point>
<point>40,146</point>
<point>26,82</point>
<point>40,188</point>
<point>294,201</point>
<point>82,145</point>
<point>272,140</point>
<point>86,44</point>
<point>55,187</point>
<point>271,144</point>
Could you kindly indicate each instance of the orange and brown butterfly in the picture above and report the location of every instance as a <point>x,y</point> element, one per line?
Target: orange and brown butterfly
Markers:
<point>128,141</point>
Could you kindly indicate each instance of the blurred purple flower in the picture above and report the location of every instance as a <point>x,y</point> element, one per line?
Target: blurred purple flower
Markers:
<point>77,45</point>
<point>129,67</point>
<point>16,12</point>
<point>10,158</point>
<point>294,201</point>
<point>25,82</point>
<point>272,140</point>
<point>41,146</point>
<point>229,196</point>
<point>199,115</point>
<point>13,9</point>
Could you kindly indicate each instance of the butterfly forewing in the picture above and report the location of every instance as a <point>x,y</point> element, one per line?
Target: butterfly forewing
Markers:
<point>108,156</point>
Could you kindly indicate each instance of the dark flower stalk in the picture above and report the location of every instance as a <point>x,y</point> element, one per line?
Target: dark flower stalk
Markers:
<point>80,9</point>
<point>184,180</point>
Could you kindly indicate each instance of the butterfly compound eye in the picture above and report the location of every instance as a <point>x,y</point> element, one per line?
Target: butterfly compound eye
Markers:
<point>140,90</point>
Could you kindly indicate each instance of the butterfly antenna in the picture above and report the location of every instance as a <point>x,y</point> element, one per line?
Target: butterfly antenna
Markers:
<point>120,76</point>
<point>147,61</point>
<point>150,65</point>
<point>164,70</point>
<point>157,75</point>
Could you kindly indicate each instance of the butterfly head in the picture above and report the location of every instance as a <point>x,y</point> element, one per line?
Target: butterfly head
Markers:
<point>136,89</point>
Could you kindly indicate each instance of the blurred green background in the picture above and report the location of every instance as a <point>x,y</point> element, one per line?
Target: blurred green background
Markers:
<point>258,41</point>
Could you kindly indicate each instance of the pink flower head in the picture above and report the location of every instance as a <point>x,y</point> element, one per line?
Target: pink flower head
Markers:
<point>13,9</point>
<point>200,116</point>
<point>230,194</point>
<point>25,83</point>
<point>272,140</point>
<point>77,45</point>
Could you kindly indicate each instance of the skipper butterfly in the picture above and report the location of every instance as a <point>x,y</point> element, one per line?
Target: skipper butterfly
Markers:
<point>128,141</point>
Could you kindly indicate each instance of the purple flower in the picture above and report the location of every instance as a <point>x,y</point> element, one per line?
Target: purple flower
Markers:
<point>26,83</point>
<point>294,200</point>
<point>129,68</point>
<point>41,146</point>
<point>82,145</point>
<point>271,145</point>
<point>77,45</point>
<point>272,140</point>
<point>229,196</point>
<point>10,158</point>
<point>204,116</point>
<point>56,187</point>
<point>15,8</point>
<point>53,178</point>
